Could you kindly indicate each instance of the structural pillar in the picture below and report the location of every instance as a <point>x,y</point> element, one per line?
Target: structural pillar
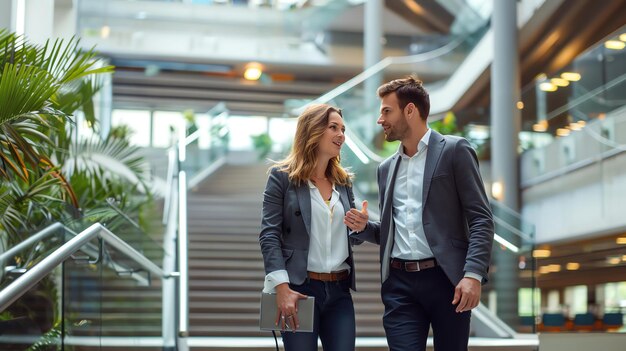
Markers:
<point>372,48</point>
<point>505,126</point>
<point>8,15</point>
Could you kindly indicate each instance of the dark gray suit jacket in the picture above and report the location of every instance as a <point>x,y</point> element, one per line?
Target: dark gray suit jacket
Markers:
<point>456,214</point>
<point>286,225</point>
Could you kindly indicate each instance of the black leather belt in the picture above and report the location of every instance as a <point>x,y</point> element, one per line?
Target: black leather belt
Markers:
<point>413,266</point>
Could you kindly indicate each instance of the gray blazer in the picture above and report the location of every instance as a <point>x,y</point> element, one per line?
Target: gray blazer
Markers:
<point>456,214</point>
<point>286,226</point>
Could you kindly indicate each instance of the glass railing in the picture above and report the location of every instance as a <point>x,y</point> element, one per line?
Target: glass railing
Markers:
<point>590,88</point>
<point>205,147</point>
<point>83,288</point>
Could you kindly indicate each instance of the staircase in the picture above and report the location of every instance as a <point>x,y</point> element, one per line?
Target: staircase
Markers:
<point>226,265</point>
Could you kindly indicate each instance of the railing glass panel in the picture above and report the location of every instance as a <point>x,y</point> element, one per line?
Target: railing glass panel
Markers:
<point>35,318</point>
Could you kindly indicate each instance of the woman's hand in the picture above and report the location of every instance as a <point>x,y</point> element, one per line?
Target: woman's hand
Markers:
<point>357,220</point>
<point>287,302</point>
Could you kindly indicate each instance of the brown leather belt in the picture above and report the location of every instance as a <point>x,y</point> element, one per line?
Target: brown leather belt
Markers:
<point>329,277</point>
<point>413,266</point>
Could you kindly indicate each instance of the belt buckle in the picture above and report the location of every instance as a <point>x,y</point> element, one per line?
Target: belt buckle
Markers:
<point>417,265</point>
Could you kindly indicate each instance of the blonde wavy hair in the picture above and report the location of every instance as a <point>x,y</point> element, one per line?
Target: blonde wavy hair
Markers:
<point>301,161</point>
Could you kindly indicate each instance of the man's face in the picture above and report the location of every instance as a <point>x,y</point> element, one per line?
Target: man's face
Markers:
<point>392,118</point>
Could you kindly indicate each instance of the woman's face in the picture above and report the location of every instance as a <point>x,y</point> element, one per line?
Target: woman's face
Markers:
<point>331,141</point>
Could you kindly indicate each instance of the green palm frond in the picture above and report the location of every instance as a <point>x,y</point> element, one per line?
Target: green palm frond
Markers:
<point>110,159</point>
<point>24,204</point>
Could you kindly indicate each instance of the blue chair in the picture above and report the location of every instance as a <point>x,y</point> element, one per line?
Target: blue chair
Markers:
<point>553,322</point>
<point>612,321</point>
<point>584,321</point>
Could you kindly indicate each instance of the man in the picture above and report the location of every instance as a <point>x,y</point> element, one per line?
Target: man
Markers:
<point>436,228</point>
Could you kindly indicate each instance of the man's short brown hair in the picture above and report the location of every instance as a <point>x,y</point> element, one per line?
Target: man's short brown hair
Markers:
<point>409,89</point>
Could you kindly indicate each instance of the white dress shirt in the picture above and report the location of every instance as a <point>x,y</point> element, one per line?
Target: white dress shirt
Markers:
<point>328,240</point>
<point>409,238</point>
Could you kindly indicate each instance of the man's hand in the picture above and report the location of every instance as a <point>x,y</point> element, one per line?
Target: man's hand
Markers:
<point>287,302</point>
<point>466,294</point>
<point>357,220</point>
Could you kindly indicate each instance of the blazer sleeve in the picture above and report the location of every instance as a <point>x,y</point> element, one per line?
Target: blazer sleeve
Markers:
<point>476,208</point>
<point>270,237</point>
<point>354,240</point>
<point>371,233</point>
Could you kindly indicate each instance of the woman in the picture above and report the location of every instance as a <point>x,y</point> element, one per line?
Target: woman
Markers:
<point>304,235</point>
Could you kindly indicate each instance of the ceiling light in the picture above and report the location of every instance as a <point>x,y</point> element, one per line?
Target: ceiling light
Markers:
<point>547,86</point>
<point>541,253</point>
<point>497,190</point>
<point>562,132</point>
<point>561,82</point>
<point>538,127</point>
<point>253,71</point>
<point>574,126</point>
<point>520,105</point>
<point>105,31</point>
<point>581,123</point>
<point>571,76</point>
<point>621,240</point>
<point>551,268</point>
<point>622,37</point>
<point>614,260</point>
<point>572,266</point>
<point>614,44</point>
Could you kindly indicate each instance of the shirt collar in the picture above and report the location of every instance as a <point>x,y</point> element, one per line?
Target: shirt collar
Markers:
<point>423,143</point>
<point>312,186</point>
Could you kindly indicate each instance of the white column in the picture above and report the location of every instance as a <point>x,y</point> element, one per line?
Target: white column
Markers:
<point>8,13</point>
<point>372,49</point>
<point>38,20</point>
<point>64,19</point>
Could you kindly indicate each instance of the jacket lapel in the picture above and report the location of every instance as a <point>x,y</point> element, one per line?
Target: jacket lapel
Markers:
<point>387,241</point>
<point>435,148</point>
<point>304,201</point>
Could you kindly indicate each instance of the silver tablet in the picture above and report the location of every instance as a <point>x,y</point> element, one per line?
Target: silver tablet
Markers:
<point>267,319</point>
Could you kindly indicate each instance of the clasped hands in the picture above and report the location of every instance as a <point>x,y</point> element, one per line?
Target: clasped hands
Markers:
<point>357,220</point>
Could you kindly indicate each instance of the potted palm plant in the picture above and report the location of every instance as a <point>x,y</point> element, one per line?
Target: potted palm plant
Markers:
<point>46,175</point>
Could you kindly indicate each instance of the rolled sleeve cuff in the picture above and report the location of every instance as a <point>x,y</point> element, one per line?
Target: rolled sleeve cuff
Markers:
<point>473,276</point>
<point>273,279</point>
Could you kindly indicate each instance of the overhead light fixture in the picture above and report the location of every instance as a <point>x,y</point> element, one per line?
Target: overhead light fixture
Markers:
<point>547,86</point>
<point>541,126</point>
<point>572,266</point>
<point>253,71</point>
<point>561,82</point>
<point>541,253</point>
<point>581,123</point>
<point>614,260</point>
<point>105,31</point>
<point>614,44</point>
<point>571,76</point>
<point>520,105</point>
<point>622,37</point>
<point>621,240</point>
<point>497,190</point>
<point>562,132</point>
<point>575,126</point>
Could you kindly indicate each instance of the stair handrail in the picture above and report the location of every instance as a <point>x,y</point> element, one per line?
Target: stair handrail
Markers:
<point>24,283</point>
<point>37,237</point>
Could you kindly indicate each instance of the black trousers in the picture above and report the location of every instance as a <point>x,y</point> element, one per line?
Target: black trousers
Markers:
<point>415,301</point>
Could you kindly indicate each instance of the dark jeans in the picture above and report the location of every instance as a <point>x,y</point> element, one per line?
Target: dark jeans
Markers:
<point>415,301</point>
<point>334,318</point>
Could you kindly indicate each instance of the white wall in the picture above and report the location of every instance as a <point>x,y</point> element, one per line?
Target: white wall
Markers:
<point>585,202</point>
